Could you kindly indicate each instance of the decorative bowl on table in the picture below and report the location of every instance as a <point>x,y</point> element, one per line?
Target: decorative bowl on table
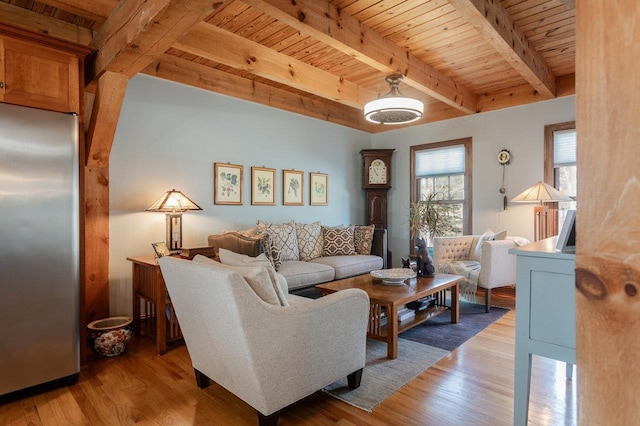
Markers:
<point>394,276</point>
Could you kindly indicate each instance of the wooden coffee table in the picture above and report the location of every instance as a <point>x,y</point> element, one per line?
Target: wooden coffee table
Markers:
<point>390,297</point>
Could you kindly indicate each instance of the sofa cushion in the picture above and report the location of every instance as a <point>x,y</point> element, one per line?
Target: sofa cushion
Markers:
<point>348,266</point>
<point>256,276</point>
<point>227,257</point>
<point>363,238</point>
<point>284,243</point>
<point>304,274</point>
<point>309,240</point>
<point>338,241</point>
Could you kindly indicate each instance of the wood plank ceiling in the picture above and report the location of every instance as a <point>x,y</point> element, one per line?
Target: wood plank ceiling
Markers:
<point>323,59</point>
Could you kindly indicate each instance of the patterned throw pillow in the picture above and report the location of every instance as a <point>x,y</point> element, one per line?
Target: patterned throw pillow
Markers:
<point>363,238</point>
<point>338,241</point>
<point>284,243</point>
<point>309,240</point>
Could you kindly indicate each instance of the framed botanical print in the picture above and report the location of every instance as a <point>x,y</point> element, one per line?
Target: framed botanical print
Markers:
<point>227,184</point>
<point>292,188</point>
<point>263,184</point>
<point>318,189</point>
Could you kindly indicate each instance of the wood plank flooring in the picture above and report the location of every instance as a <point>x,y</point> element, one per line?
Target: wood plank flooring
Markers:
<point>471,386</point>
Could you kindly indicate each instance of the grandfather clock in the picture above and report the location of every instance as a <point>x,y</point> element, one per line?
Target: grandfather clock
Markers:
<point>376,181</point>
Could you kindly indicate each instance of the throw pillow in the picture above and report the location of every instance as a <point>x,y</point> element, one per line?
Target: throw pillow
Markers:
<point>477,252</point>
<point>228,257</point>
<point>363,238</point>
<point>256,276</point>
<point>338,241</point>
<point>309,240</point>
<point>284,243</point>
<point>502,235</point>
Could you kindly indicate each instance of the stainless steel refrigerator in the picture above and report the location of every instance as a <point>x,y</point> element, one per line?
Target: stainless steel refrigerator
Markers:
<point>39,250</point>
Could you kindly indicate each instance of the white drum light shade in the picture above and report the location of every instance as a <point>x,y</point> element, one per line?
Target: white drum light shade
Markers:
<point>393,108</point>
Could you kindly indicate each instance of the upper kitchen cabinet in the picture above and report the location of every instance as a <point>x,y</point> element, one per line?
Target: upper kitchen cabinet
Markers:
<point>39,75</point>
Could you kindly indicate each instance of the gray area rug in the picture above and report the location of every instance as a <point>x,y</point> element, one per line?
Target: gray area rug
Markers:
<point>383,376</point>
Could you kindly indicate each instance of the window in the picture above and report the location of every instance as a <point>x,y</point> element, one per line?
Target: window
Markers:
<point>560,168</point>
<point>443,171</point>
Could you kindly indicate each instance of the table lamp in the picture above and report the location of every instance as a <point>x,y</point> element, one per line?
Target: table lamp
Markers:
<point>540,192</point>
<point>173,203</point>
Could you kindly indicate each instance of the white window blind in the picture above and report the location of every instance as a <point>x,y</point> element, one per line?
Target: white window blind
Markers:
<point>564,147</point>
<point>440,161</point>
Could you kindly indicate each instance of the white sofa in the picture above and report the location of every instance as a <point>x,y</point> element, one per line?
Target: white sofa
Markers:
<point>266,354</point>
<point>482,261</point>
<point>302,274</point>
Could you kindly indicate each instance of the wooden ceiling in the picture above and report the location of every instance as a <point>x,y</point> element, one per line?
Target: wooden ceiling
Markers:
<point>323,59</point>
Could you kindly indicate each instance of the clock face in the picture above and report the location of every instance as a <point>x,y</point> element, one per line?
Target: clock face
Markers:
<point>504,157</point>
<point>378,172</point>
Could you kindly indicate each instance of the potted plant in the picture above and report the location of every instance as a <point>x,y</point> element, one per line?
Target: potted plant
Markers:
<point>430,218</point>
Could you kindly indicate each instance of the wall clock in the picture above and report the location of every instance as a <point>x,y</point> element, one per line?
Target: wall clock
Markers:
<point>504,157</point>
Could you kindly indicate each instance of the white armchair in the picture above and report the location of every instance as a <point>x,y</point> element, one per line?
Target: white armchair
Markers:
<point>268,355</point>
<point>494,267</point>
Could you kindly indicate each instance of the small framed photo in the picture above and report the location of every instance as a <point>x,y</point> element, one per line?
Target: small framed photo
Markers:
<point>227,184</point>
<point>292,188</point>
<point>263,185</point>
<point>318,189</point>
<point>161,249</point>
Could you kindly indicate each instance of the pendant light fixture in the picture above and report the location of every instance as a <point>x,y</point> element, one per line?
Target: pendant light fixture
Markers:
<point>393,108</point>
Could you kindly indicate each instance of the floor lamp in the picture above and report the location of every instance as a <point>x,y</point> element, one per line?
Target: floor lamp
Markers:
<point>173,203</point>
<point>540,193</point>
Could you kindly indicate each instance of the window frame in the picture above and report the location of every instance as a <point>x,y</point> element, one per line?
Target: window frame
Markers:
<point>467,218</point>
<point>549,169</point>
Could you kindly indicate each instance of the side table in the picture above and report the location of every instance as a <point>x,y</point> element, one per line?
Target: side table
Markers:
<point>151,303</point>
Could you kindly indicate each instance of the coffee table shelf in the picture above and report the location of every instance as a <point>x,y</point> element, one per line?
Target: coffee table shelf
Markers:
<point>390,298</point>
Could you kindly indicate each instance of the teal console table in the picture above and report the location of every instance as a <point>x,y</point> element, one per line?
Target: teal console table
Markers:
<point>545,314</point>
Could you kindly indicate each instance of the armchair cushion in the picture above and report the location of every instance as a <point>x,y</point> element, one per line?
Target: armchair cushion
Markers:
<point>256,276</point>
<point>229,257</point>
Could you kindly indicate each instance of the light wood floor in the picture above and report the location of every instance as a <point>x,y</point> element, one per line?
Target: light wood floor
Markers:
<point>471,386</point>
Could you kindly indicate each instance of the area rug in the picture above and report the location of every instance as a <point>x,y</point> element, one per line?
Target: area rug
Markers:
<point>440,333</point>
<point>383,376</point>
<point>418,349</point>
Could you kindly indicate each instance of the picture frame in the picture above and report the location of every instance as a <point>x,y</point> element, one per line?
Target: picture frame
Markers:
<point>263,186</point>
<point>567,239</point>
<point>318,189</point>
<point>292,188</point>
<point>227,184</point>
<point>161,249</point>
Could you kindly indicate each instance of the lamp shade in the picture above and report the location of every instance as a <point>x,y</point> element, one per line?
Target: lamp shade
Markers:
<point>393,108</point>
<point>541,192</point>
<point>173,201</point>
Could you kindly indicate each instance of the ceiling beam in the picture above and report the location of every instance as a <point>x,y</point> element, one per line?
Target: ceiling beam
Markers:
<point>138,31</point>
<point>104,118</point>
<point>32,21</point>
<point>324,22</point>
<point>182,71</point>
<point>493,22</point>
<point>216,44</point>
<point>95,10</point>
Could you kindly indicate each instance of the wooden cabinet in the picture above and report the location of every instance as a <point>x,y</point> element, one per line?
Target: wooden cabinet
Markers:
<point>545,314</point>
<point>38,76</point>
<point>152,310</point>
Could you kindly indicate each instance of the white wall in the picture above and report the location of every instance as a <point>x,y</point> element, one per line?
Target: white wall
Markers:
<point>518,129</point>
<point>170,135</point>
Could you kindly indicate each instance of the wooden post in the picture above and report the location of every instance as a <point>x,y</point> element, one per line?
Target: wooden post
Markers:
<point>608,228</point>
